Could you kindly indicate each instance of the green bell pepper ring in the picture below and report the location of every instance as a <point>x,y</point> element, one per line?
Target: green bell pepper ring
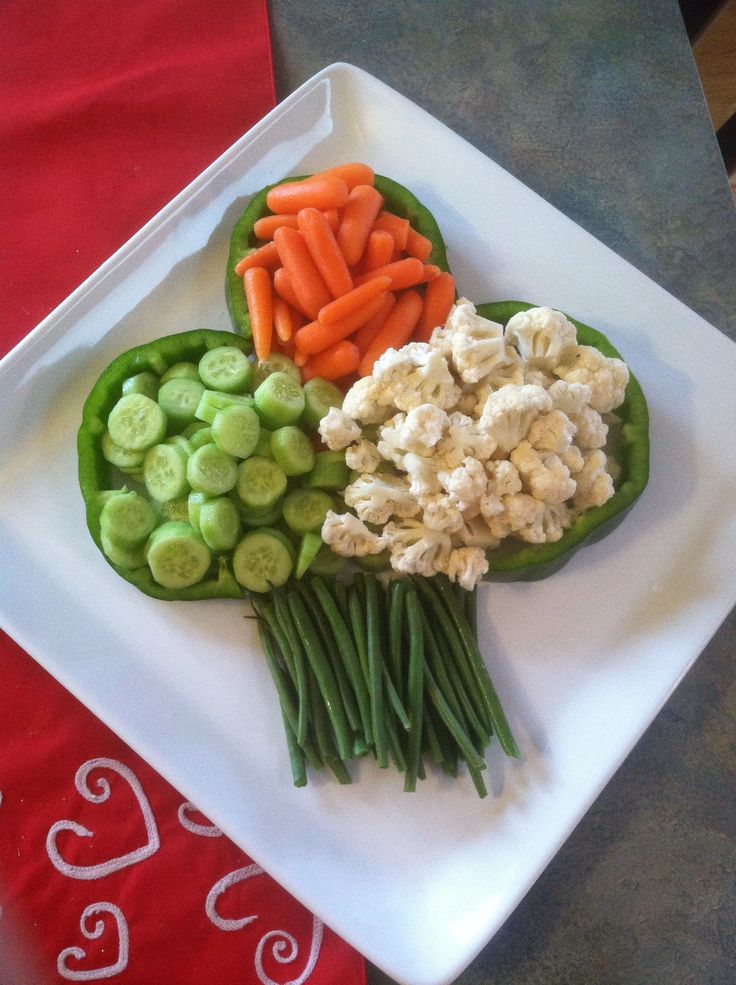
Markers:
<point>529,562</point>
<point>397,199</point>
<point>97,476</point>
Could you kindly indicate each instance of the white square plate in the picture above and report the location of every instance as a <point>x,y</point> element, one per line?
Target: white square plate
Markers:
<point>583,661</point>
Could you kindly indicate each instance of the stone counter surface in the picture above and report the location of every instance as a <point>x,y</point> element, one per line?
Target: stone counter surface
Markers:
<point>598,108</point>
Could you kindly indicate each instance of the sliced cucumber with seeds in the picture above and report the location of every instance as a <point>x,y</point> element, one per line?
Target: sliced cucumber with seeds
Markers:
<point>319,396</point>
<point>219,523</point>
<point>292,450</point>
<point>165,472</point>
<point>211,470</point>
<point>263,448</point>
<point>127,520</point>
<point>124,557</point>
<point>263,559</point>
<point>121,457</point>
<point>225,368</point>
<point>178,371</point>
<point>136,422</point>
<point>329,472</point>
<point>214,400</point>
<point>305,509</point>
<point>177,555</point>
<point>279,400</point>
<point>145,383</point>
<point>276,362</point>
<point>201,437</point>
<point>175,509</point>
<point>236,430</point>
<point>260,483</point>
<point>179,398</point>
<point>195,502</point>
<point>182,443</point>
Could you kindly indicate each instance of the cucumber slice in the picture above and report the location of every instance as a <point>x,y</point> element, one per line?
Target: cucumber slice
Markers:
<point>175,509</point>
<point>124,557</point>
<point>219,523</point>
<point>276,362</point>
<point>179,398</point>
<point>309,548</point>
<point>127,520</point>
<point>136,422</point>
<point>195,502</point>
<point>236,429</point>
<point>180,442</point>
<point>165,472</point>
<point>305,509</point>
<point>145,383</point>
<point>211,470</point>
<point>201,437</point>
<point>329,472</point>
<point>225,368</point>
<point>214,400</point>
<point>263,448</point>
<point>260,483</point>
<point>263,559</point>
<point>121,457</point>
<point>292,450</point>
<point>319,396</point>
<point>279,400</point>
<point>187,371</point>
<point>177,555</point>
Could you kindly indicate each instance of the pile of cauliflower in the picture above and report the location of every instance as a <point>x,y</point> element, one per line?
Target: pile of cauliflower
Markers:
<point>480,434</point>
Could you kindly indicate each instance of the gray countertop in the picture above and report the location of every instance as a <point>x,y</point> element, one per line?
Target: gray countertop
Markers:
<point>596,106</point>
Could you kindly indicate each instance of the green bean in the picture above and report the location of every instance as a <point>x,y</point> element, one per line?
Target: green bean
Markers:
<point>299,673</point>
<point>375,677</point>
<point>415,688</point>
<point>357,623</point>
<point>454,726</point>
<point>340,594</point>
<point>397,592</point>
<point>394,699</point>
<point>471,611</point>
<point>323,673</point>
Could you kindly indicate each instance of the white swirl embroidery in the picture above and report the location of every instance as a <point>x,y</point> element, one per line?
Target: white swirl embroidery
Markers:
<point>93,933</point>
<point>284,949</point>
<point>111,865</point>
<point>205,830</point>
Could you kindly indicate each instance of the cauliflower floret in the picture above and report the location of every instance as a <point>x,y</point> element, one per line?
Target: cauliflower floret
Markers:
<point>464,438</point>
<point>418,373</point>
<point>473,344</point>
<point>368,402</point>
<point>593,482</point>
<point>348,536</point>
<point>338,429</point>
<point>606,377</point>
<point>504,480</point>
<point>552,432</point>
<point>543,473</point>
<point>466,483</point>
<point>543,336</point>
<point>422,475</point>
<point>508,412</point>
<point>362,456</point>
<point>556,520</point>
<point>533,374</point>
<point>423,428</point>
<point>522,516</point>
<point>591,429</point>
<point>573,458</point>
<point>377,497</point>
<point>475,532</point>
<point>415,548</point>
<point>390,440</point>
<point>441,512</point>
<point>465,565</point>
<point>570,398</point>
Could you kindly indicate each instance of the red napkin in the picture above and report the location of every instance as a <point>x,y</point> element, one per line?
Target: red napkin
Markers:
<point>106,113</point>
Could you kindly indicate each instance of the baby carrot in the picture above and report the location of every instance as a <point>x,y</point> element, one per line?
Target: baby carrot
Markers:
<point>418,246</point>
<point>396,225</point>
<point>336,361</point>
<point>379,250</point>
<point>314,337</point>
<point>306,280</point>
<point>265,226</point>
<point>319,192</point>
<point>343,306</point>
<point>358,216</point>
<point>367,332</point>
<point>333,217</point>
<point>262,256</point>
<point>325,252</point>
<point>259,298</point>
<point>439,296</point>
<point>395,331</point>
<point>282,286</point>
<point>354,173</point>
<point>286,320</point>
<point>403,273</point>
<point>431,271</point>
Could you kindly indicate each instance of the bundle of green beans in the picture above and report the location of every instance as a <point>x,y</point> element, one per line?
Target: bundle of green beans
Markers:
<point>391,670</point>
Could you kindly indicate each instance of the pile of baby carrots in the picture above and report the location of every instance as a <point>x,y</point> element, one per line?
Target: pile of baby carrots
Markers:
<point>337,278</point>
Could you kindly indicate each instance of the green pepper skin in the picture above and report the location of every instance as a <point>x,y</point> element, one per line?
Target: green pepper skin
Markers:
<point>397,199</point>
<point>531,562</point>
<point>96,474</point>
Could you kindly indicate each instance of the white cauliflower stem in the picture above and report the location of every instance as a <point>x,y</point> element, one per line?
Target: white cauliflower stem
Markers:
<point>606,377</point>
<point>509,412</point>
<point>543,336</point>
<point>338,429</point>
<point>376,497</point>
<point>474,344</point>
<point>348,536</point>
<point>416,548</point>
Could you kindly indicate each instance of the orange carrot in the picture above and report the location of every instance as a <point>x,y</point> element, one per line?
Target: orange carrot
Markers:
<point>259,298</point>
<point>306,281</point>
<point>325,252</point>
<point>358,216</point>
<point>418,246</point>
<point>403,273</point>
<point>439,296</point>
<point>282,286</point>
<point>339,360</point>
<point>299,357</point>
<point>343,306</point>
<point>431,271</point>
<point>396,225</point>
<point>314,337</point>
<point>367,332</point>
<point>319,192</point>
<point>262,256</point>
<point>286,320</point>
<point>333,217</point>
<point>379,250</point>
<point>265,226</point>
<point>352,174</point>
<point>396,330</point>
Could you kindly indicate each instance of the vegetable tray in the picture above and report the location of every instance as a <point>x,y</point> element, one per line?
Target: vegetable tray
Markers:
<point>583,660</point>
